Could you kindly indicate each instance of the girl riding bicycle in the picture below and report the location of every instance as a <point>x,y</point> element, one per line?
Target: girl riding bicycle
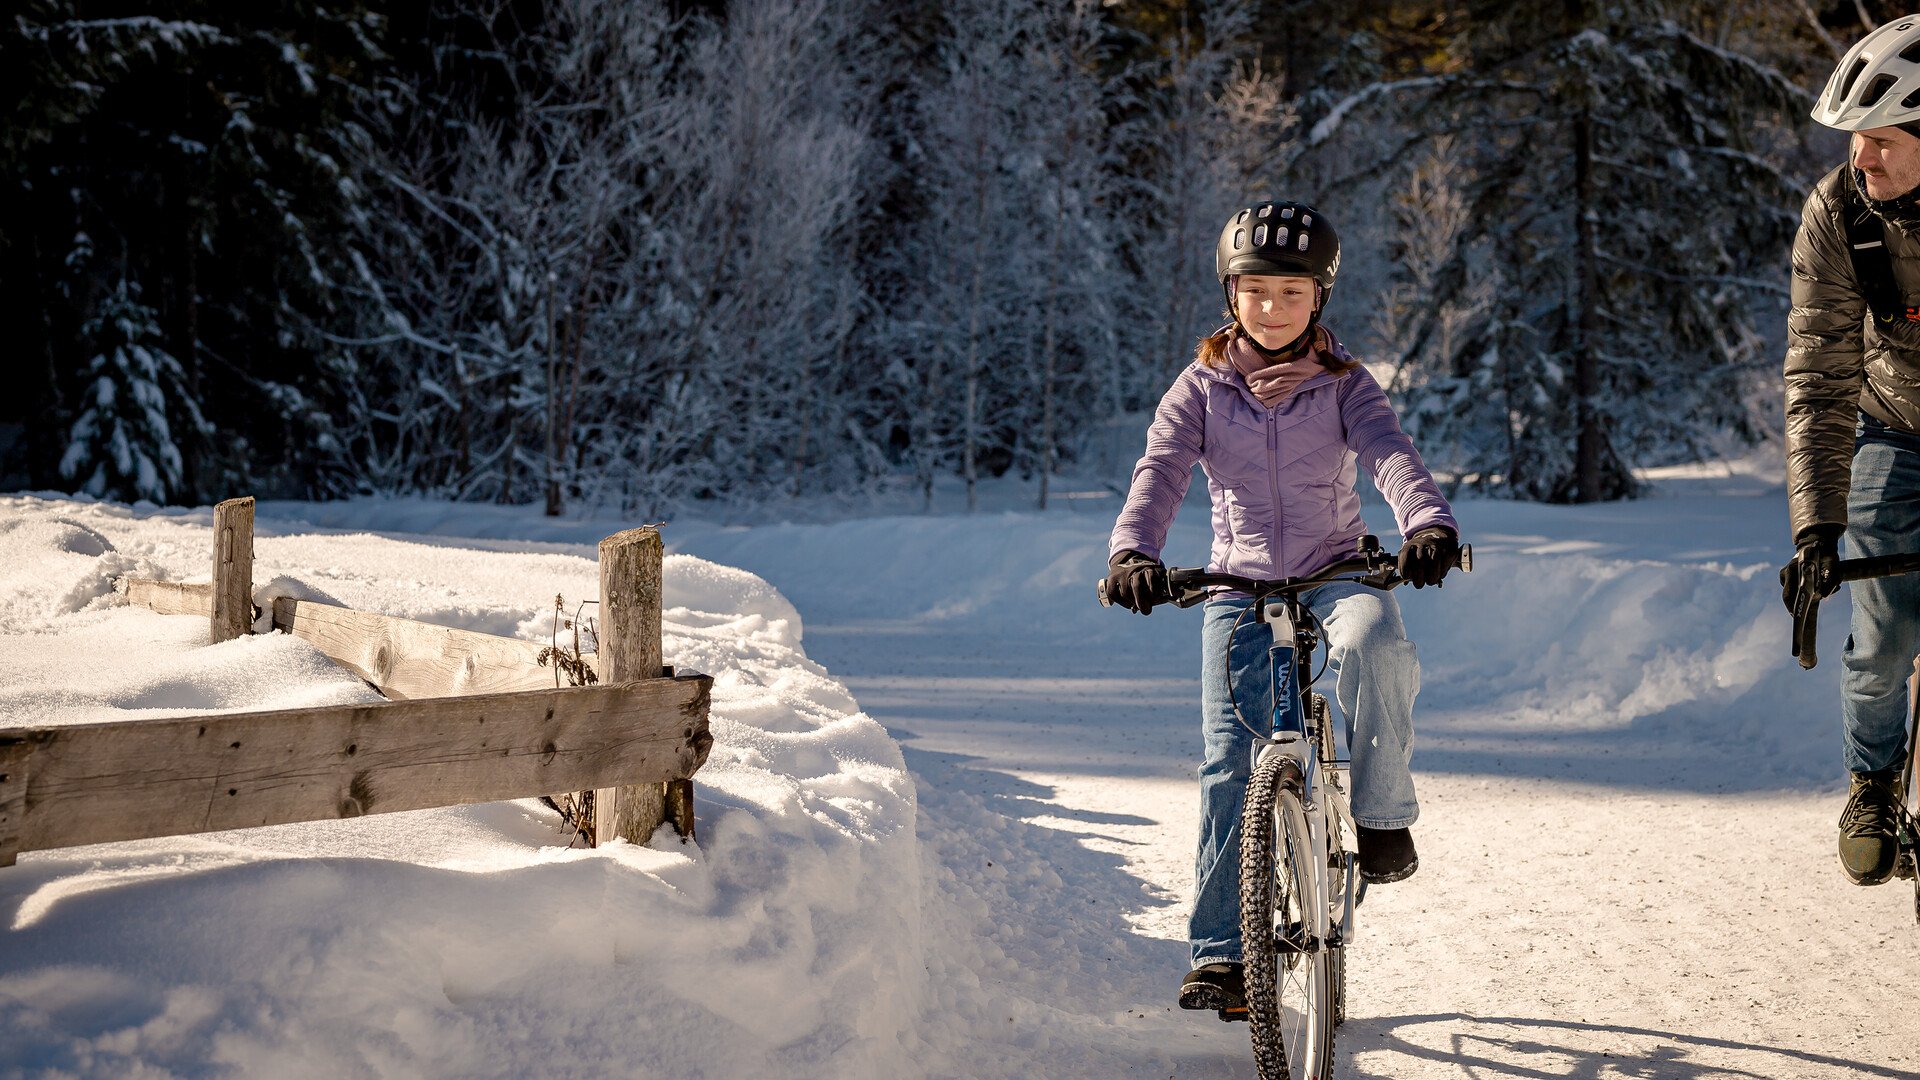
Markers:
<point>1277,414</point>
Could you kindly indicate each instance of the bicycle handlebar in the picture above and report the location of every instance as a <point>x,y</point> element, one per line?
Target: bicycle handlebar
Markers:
<point>1877,566</point>
<point>1373,568</point>
<point>1806,621</point>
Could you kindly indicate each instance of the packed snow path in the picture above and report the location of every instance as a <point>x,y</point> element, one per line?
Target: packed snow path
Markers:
<point>1629,794</point>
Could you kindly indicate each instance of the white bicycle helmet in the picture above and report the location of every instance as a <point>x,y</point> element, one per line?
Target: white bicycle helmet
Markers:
<point>1878,82</point>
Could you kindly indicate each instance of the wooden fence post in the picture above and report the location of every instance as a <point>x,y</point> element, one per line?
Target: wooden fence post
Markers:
<point>233,569</point>
<point>630,649</point>
<point>15,758</point>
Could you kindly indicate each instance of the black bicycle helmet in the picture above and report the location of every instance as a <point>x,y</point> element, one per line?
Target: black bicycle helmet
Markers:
<point>1284,238</point>
<point>1287,239</point>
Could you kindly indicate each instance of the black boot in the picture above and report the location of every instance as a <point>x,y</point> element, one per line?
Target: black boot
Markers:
<point>1869,828</point>
<point>1218,986</point>
<point>1386,855</point>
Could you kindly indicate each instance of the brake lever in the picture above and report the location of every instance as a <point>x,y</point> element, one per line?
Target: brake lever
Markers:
<point>1806,626</point>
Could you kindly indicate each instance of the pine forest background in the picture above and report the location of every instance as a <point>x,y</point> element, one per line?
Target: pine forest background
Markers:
<point>645,253</point>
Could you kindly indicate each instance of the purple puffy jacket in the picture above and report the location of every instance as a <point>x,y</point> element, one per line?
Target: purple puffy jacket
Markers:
<point>1281,479</point>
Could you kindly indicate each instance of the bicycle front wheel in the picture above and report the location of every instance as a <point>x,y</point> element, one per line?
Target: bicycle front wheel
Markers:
<point>1288,968</point>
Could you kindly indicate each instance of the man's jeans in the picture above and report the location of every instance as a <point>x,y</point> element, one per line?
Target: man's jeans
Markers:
<point>1377,674</point>
<point>1883,518</point>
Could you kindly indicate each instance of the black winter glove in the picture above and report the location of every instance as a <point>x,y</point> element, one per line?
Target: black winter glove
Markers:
<point>1427,556</point>
<point>1813,575</point>
<point>1136,582</point>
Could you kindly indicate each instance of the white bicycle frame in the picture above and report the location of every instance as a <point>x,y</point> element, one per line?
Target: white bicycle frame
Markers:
<point>1322,793</point>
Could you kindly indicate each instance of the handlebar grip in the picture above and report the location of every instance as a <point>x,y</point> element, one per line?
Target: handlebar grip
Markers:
<point>1465,561</point>
<point>1101,590</point>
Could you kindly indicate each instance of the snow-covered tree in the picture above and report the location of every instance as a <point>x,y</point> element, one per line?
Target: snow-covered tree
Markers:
<point>135,409</point>
<point>1081,164</point>
<point>1206,141</point>
<point>500,240</point>
<point>1634,220</point>
<point>752,275</point>
<point>192,148</point>
<point>625,275</point>
<point>966,269</point>
<point>1463,409</point>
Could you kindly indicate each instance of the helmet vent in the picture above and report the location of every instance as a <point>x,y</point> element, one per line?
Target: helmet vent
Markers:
<point>1846,84</point>
<point>1280,238</point>
<point>1911,100</point>
<point>1911,54</point>
<point>1239,239</point>
<point>1266,209</point>
<point>1259,235</point>
<point>1287,214</point>
<point>1306,220</point>
<point>1302,245</point>
<point>1877,88</point>
<point>1242,219</point>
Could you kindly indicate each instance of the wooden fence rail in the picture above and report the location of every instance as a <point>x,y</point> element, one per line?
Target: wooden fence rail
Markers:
<point>403,658</point>
<point>471,718</point>
<point>171,597</point>
<point>127,780</point>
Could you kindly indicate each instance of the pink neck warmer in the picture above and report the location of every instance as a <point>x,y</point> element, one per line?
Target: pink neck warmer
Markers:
<point>1274,382</point>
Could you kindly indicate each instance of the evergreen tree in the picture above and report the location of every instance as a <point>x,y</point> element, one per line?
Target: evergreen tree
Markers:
<point>133,401</point>
<point>655,251</point>
<point>1619,335</point>
<point>193,147</point>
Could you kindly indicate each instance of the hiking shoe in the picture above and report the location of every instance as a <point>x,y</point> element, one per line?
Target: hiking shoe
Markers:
<point>1218,986</point>
<point>1386,855</point>
<point>1869,827</point>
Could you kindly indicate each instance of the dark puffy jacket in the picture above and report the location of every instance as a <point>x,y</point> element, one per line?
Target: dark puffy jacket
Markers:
<point>1840,362</point>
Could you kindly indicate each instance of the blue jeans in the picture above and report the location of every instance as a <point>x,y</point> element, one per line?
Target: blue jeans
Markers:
<point>1883,518</point>
<point>1377,674</point>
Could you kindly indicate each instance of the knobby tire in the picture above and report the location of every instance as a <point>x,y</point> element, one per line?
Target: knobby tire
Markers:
<point>1275,860</point>
<point>1336,867</point>
<point>1910,820</point>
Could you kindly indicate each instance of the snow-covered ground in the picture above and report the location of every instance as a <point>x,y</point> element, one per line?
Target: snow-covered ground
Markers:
<point>947,825</point>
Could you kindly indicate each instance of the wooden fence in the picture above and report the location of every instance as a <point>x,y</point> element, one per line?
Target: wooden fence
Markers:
<point>470,718</point>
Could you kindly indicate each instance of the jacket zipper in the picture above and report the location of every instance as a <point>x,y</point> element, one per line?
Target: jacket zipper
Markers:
<point>1273,482</point>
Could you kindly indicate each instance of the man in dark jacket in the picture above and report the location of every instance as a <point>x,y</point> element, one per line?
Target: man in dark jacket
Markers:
<point>1853,415</point>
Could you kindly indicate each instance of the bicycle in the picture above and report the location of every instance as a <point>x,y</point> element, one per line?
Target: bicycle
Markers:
<point>1299,881</point>
<point>1805,627</point>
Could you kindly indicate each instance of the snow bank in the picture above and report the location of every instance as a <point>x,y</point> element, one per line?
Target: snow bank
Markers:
<point>466,941</point>
<point>1576,651</point>
<point>1662,615</point>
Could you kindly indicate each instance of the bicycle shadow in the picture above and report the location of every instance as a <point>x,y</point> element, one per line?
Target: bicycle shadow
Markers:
<point>1488,1055</point>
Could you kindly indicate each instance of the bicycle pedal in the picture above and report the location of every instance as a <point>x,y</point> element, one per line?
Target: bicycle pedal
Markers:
<point>1903,866</point>
<point>1237,1013</point>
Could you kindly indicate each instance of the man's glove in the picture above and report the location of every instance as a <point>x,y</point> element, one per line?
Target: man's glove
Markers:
<point>1136,582</point>
<point>1427,556</point>
<point>1813,575</point>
